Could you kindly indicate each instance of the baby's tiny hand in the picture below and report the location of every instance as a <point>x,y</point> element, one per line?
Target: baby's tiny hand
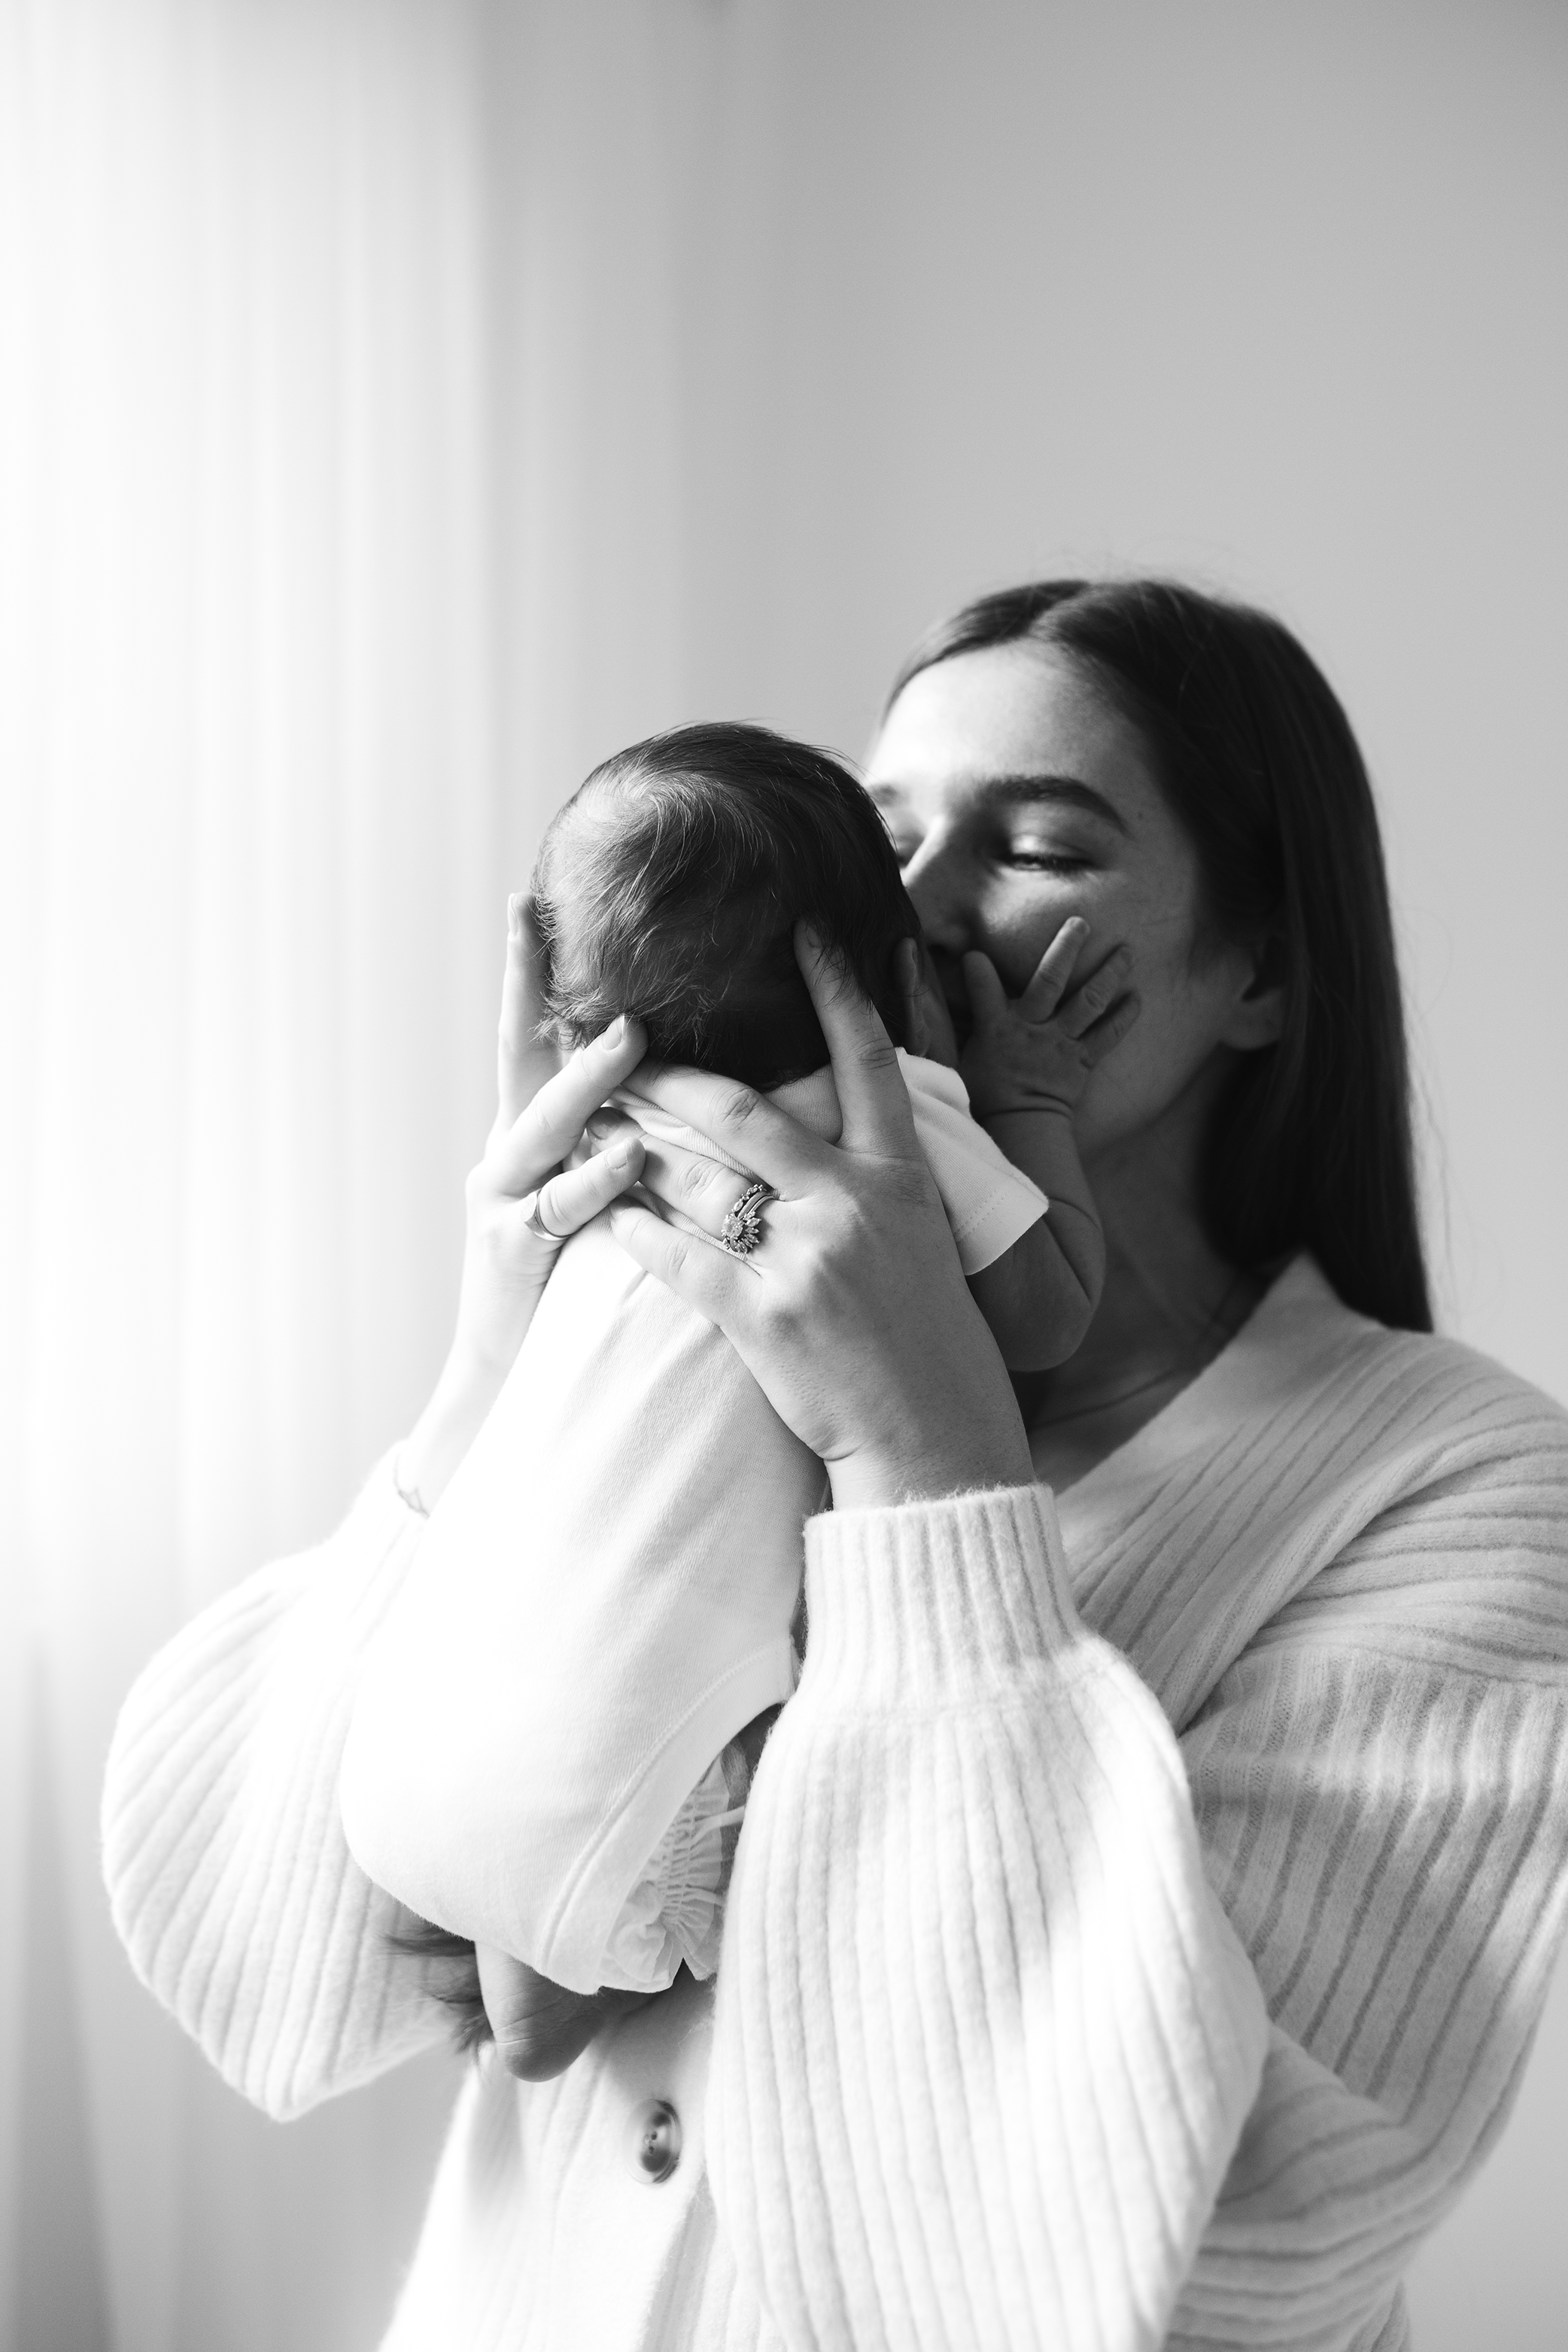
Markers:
<point>1034,1052</point>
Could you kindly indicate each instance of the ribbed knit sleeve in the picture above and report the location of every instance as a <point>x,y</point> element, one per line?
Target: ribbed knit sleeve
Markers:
<point>1381,1785</point>
<point>230,1883</point>
<point>986,2041</point>
<point>1039,2027</point>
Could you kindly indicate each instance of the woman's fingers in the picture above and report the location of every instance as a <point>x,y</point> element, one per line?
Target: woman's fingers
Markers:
<point>753,1131</point>
<point>577,1194</point>
<point>523,1063</point>
<point>871,1090</point>
<point>702,1189</point>
<point>541,2027</point>
<point>706,1277</point>
<point>705,1191</point>
<point>741,1121</point>
<point>1052,973</point>
<point>546,1130</point>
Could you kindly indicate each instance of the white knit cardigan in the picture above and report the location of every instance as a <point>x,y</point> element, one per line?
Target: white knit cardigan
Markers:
<point>1135,1938</point>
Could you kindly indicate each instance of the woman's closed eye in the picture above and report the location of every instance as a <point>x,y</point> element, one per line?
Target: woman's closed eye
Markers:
<point>1029,846</point>
<point>1043,857</point>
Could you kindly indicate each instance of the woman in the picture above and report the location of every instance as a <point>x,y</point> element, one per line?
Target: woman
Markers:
<point>1145,1903</point>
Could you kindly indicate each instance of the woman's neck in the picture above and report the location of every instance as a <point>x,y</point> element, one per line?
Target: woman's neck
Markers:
<point>1171,1302</point>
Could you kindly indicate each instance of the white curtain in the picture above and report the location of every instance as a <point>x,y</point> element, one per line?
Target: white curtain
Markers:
<point>339,471</point>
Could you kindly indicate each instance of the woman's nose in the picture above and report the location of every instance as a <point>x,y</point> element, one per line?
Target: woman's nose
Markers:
<point>935,879</point>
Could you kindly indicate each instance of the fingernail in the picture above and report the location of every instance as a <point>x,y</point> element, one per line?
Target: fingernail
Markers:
<point>513,915</point>
<point>811,938</point>
<point>613,1035</point>
<point>622,1157</point>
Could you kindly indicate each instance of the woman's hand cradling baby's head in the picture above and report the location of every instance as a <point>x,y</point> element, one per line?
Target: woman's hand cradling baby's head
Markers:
<point>853,1316</point>
<point>542,1112</point>
<point>533,1167</point>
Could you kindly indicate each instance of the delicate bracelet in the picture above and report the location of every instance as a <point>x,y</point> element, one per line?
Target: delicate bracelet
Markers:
<point>409,1495</point>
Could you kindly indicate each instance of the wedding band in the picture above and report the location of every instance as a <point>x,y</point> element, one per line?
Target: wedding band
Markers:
<point>533,1220</point>
<point>742,1230</point>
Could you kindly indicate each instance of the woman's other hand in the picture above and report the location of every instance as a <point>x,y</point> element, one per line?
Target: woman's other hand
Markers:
<point>542,1108</point>
<point>539,2027</point>
<point>853,1314</point>
<point>534,1160</point>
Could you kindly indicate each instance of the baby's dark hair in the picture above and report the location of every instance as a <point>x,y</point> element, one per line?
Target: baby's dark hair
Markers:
<point>670,884</point>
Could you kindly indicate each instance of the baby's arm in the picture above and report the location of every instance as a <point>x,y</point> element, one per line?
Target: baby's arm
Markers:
<point>1039,1296</point>
<point>1026,1065</point>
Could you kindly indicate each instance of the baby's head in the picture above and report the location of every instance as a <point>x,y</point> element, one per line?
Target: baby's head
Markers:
<point>670,884</point>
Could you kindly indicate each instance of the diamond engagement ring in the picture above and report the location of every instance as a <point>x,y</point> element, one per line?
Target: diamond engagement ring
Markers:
<point>742,1230</point>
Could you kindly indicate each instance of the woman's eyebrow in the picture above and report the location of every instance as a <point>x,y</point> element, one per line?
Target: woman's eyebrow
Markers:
<point>1017,791</point>
<point>1068,791</point>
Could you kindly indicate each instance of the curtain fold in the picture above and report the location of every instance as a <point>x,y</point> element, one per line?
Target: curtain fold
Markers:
<point>340,464</point>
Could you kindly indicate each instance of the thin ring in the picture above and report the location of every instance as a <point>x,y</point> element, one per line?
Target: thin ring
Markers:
<point>742,1230</point>
<point>533,1220</point>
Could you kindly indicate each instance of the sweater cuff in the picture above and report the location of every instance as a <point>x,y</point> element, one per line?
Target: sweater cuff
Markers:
<point>924,1603</point>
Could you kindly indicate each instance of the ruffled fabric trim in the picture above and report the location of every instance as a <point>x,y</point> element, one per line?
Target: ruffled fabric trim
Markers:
<point>675,1913</point>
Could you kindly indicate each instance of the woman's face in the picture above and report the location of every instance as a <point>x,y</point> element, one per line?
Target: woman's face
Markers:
<point>1017,797</point>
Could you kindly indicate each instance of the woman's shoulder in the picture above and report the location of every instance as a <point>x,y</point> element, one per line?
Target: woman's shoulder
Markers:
<point>1449,1477</point>
<point>1406,1389</point>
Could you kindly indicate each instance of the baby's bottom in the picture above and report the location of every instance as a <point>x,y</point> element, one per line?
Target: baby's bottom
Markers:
<point>539,2026</point>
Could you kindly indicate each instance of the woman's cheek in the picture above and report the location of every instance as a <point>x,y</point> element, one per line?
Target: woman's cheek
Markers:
<point>1120,1098</point>
<point>1175,1036</point>
<point>1021,928</point>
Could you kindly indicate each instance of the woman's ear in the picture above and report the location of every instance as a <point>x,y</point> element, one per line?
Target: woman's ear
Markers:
<point>1258,1017</point>
<point>907,980</point>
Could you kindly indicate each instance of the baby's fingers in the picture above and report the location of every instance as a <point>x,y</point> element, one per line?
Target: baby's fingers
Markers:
<point>1106,1033</point>
<point>983,986</point>
<point>1077,1013</point>
<point>1052,973</point>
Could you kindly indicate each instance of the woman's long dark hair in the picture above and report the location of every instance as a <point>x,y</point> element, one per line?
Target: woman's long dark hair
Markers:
<point>1310,1144</point>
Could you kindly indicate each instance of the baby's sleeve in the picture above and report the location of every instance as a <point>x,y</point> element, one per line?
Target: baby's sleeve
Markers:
<point>990,1203</point>
<point>674,1914</point>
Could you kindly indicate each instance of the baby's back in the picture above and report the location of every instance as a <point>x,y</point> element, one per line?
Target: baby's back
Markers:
<point>602,1600</point>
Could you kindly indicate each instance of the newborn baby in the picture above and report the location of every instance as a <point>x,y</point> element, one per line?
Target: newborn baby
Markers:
<point>547,1752</point>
